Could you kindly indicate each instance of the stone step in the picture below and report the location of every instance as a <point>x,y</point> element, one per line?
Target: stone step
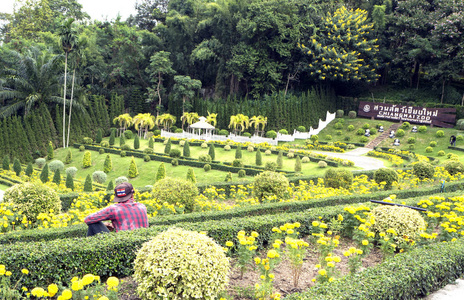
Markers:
<point>375,142</point>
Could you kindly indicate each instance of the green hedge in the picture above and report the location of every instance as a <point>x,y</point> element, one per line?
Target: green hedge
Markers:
<point>456,148</point>
<point>412,275</point>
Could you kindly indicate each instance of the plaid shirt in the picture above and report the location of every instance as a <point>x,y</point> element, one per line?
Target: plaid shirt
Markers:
<point>127,215</point>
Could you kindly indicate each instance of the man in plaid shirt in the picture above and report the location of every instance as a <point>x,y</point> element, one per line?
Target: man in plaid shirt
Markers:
<point>125,214</point>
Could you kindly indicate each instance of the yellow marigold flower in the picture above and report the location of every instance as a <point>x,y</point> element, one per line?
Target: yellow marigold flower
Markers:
<point>297,224</point>
<point>38,292</point>
<point>229,244</point>
<point>272,254</point>
<point>359,251</point>
<point>271,276</point>
<point>254,234</point>
<point>8,273</point>
<point>331,279</point>
<point>88,279</point>
<point>24,289</point>
<point>276,245</point>
<point>77,285</point>
<point>275,229</point>
<point>257,260</point>
<point>365,242</point>
<point>382,234</point>
<point>392,231</point>
<point>290,231</point>
<point>370,234</point>
<point>331,264</point>
<point>328,258</point>
<point>52,289</point>
<point>315,223</point>
<point>323,225</point>
<point>329,232</point>
<point>25,271</point>
<point>322,272</point>
<point>346,253</point>
<point>340,217</point>
<point>112,281</point>
<point>318,266</point>
<point>106,298</point>
<point>337,259</point>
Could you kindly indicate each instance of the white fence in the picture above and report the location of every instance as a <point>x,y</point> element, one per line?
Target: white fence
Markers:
<point>254,139</point>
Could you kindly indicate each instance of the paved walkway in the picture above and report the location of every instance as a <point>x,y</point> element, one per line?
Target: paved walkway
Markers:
<point>452,291</point>
<point>355,155</point>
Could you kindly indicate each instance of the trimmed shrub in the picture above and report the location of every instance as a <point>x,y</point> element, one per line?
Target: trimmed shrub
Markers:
<point>207,167</point>
<point>111,141</point>
<point>238,152</point>
<point>122,140</point>
<point>161,173</point>
<point>280,159</point>
<point>87,159</point>
<point>267,152</point>
<point>429,149</point>
<point>405,221</point>
<point>175,153</point>
<point>241,173</point>
<point>151,143</point>
<point>69,182</point>
<point>228,177</point>
<point>125,147</point>
<point>406,125</point>
<point>122,153</point>
<point>247,134</point>
<point>56,165</point>
<point>454,167</point>
<point>57,177</point>
<point>422,129</point>
<point>68,158</point>
<point>301,129</point>
<point>366,126</point>
<point>270,166</point>
<point>322,164</point>
<point>157,132</point>
<point>167,147</point>
<point>87,140</point>
<point>459,138</point>
<point>305,160</point>
<point>338,132</point>
<point>268,183</point>
<point>101,151</point>
<point>212,152</point>
<point>136,142</point>
<point>441,153</point>
<point>81,148</point>
<point>17,166</point>
<point>39,161</point>
<point>347,138</point>
<point>283,131</point>
<point>148,150</point>
<point>128,134</point>
<point>108,164</point>
<point>363,139</point>
<point>373,131</point>
<point>146,158</point>
<point>179,264</point>
<point>440,133</point>
<point>271,134</point>
<point>338,178</point>
<point>352,114</point>
<point>44,174</point>
<point>175,162</point>
<point>290,155</point>
<point>99,176</point>
<point>120,180</point>
<point>71,171</point>
<point>227,148</point>
<point>176,190</point>
<point>360,131</point>
<point>338,126</point>
<point>29,169</point>
<point>88,184</point>
<point>339,113</point>
<point>110,186</point>
<point>258,158</point>
<point>411,140</point>
<point>314,138</point>
<point>133,171</point>
<point>433,144</point>
<point>350,146</point>
<point>205,158</point>
<point>32,199</point>
<point>204,145</point>
<point>298,164</point>
<point>328,137</point>
<point>50,153</point>
<point>400,133</point>
<point>223,132</point>
<point>386,175</point>
<point>178,130</point>
<point>191,175</point>
<point>237,163</point>
<point>412,147</point>
<point>350,128</point>
<point>99,137</point>
<point>250,148</point>
<point>423,169</point>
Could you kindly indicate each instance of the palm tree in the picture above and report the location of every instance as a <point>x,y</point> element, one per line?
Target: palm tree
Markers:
<point>68,41</point>
<point>242,121</point>
<point>257,121</point>
<point>143,122</point>
<point>166,120</point>
<point>212,119</point>
<point>233,123</point>
<point>124,121</point>
<point>28,79</point>
<point>190,118</point>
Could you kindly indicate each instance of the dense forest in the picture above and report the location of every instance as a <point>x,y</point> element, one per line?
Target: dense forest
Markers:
<point>289,60</point>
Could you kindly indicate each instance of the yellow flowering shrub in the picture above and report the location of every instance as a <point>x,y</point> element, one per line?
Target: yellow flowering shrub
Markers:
<point>406,222</point>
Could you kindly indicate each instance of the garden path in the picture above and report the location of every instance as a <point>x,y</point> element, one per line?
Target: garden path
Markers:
<point>452,291</point>
<point>364,162</point>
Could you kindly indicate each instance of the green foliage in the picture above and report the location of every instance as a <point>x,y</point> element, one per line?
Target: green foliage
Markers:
<point>386,175</point>
<point>360,131</point>
<point>32,199</point>
<point>440,133</point>
<point>241,173</point>
<point>122,153</point>
<point>148,150</point>
<point>99,137</point>
<point>268,184</point>
<point>270,166</point>
<point>223,132</point>
<point>246,134</point>
<point>40,162</point>
<point>29,169</point>
<point>366,126</point>
<point>88,184</point>
<point>423,169</point>
<point>336,178</point>
<point>191,175</point>
<point>422,129</point>
<point>186,149</point>
<point>87,140</point>
<point>406,125</point>
<point>322,164</point>
<point>205,158</point>
<point>17,166</point>
<point>271,134</point>
<point>111,141</point>
<point>339,113</point>
<point>400,133</point>
<point>71,171</point>
<point>328,137</point>
<point>69,181</point>
<point>99,177</point>
<point>238,152</point>
<point>305,160</point>
<point>122,140</point>
<point>258,158</point>
<point>298,164</point>
<point>125,147</point>
<point>279,161</point>
<point>314,138</point>
<point>350,127</point>
<point>110,186</point>
<point>175,153</point>
<point>227,148</point>
<point>151,143</point>
<point>176,190</point>
<point>57,177</point>
<point>128,134</point>
<point>412,147</point>
<point>454,167</point>
<point>108,164</point>
<point>68,158</point>
<point>175,162</point>
<point>120,180</point>
<point>352,114</point>
<point>133,171</point>
<point>338,126</point>
<point>228,177</point>
<point>56,165</point>
<point>81,148</point>
<point>429,149</point>
<point>44,174</point>
<point>441,153</point>
<point>411,140</point>
<point>283,131</point>
<point>136,142</point>
<point>405,221</point>
<point>363,139</point>
<point>157,132</point>
<point>161,173</point>
<point>301,128</point>
<point>146,158</point>
<point>207,167</point>
<point>181,264</point>
<point>433,144</point>
<point>212,151</point>
<point>87,159</point>
<point>167,147</point>
<point>50,153</point>
<point>237,163</point>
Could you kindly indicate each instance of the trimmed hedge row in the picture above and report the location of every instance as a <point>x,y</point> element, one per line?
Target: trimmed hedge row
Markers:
<point>456,148</point>
<point>411,275</point>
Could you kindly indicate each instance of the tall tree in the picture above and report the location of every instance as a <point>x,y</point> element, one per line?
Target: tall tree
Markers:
<point>185,88</point>
<point>160,65</point>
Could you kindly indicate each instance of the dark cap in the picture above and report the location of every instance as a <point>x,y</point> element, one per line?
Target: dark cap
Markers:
<point>123,192</point>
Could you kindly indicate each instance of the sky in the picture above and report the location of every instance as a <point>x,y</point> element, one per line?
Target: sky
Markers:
<point>97,9</point>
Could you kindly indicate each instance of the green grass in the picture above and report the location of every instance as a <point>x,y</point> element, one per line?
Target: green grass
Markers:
<point>3,187</point>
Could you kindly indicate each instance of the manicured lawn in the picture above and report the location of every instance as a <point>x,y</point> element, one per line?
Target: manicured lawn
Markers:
<point>3,187</point>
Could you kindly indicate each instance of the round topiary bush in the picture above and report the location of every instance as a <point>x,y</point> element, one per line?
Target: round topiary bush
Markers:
<point>433,144</point>
<point>400,133</point>
<point>146,158</point>
<point>328,137</point>
<point>411,140</point>
<point>250,149</point>
<point>205,158</point>
<point>405,221</point>
<point>454,167</point>
<point>350,128</point>
<point>338,125</point>
<point>460,138</point>
<point>175,162</point>
<point>352,114</point>
<point>178,264</point>
<point>338,178</point>
<point>364,139</point>
<point>101,151</point>
<point>422,129</point>
<point>373,131</point>
<point>122,153</point>
<point>366,126</point>
<point>148,151</point>
<point>178,130</point>
<point>412,147</point>
<point>40,162</point>
<point>81,148</point>
<point>182,143</point>
<point>104,144</point>
<point>386,175</point>
<point>271,134</point>
<point>429,149</point>
<point>350,146</point>
<point>338,132</point>
<point>99,176</point>
<point>347,138</point>
<point>270,166</point>
<point>441,153</point>
<point>322,164</point>
<point>406,125</point>
<point>120,180</point>
<point>241,173</point>
<point>223,132</point>
<point>290,155</point>
<point>460,124</point>
<point>176,190</point>
<point>301,129</point>
<point>360,131</point>
<point>207,167</point>
<point>339,113</point>
<point>56,165</point>
<point>237,163</point>
<point>423,169</point>
<point>440,133</point>
<point>227,148</point>
<point>305,160</point>
<point>32,199</point>
<point>71,171</point>
<point>283,131</point>
<point>174,153</point>
<point>128,134</point>
<point>204,145</point>
<point>87,140</point>
<point>247,134</point>
<point>157,132</point>
<point>125,147</point>
<point>267,152</point>
<point>270,183</point>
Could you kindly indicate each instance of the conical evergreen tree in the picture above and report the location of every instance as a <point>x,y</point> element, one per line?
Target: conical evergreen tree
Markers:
<point>50,153</point>
<point>110,186</point>
<point>238,152</point>
<point>6,163</point>
<point>280,160</point>
<point>29,169</point>
<point>167,148</point>
<point>151,143</point>
<point>112,137</point>
<point>44,174</point>
<point>99,137</point>
<point>69,181</point>
<point>17,166</point>
<point>298,164</point>
<point>108,165</point>
<point>136,142</point>
<point>161,172</point>
<point>133,171</point>
<point>68,158</point>
<point>191,175</point>
<point>212,151</point>
<point>259,159</point>
<point>122,140</point>
<point>88,184</point>
<point>186,150</point>
<point>57,177</point>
